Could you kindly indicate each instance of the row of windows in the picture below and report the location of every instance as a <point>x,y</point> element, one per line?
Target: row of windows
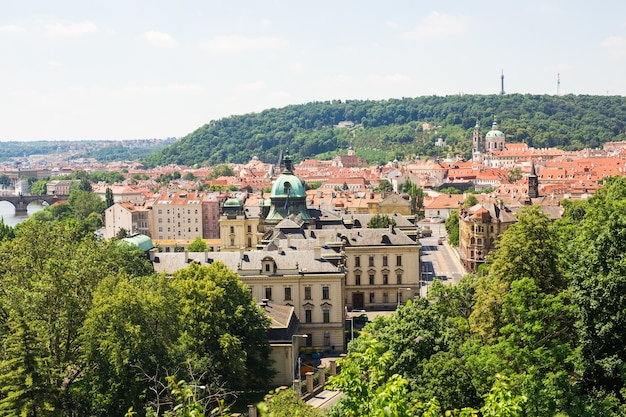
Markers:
<point>370,260</point>
<point>232,229</point>
<point>160,220</point>
<point>372,280</point>
<point>307,293</point>
<point>372,297</point>
<point>179,232</point>
<point>160,211</point>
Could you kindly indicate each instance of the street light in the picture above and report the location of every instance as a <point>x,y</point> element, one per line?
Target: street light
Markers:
<point>401,289</point>
<point>293,364</point>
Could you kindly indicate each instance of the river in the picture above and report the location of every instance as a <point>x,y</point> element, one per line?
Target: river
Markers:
<point>7,212</point>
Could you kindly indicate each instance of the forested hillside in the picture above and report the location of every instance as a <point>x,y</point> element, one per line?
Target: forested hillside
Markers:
<point>392,128</point>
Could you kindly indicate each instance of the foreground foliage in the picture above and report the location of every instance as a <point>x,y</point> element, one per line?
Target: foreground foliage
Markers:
<point>87,328</point>
<point>541,334</point>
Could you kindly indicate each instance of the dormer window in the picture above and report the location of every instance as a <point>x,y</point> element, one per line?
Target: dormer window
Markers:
<point>268,265</point>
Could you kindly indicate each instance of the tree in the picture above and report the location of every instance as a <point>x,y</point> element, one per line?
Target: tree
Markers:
<point>470,201</point>
<point>452,227</point>
<point>526,250</point>
<point>222,170</point>
<point>39,187</point>
<point>109,197</point>
<point>514,175</point>
<point>122,233</point>
<point>198,245</point>
<point>224,332</point>
<point>384,187</point>
<point>285,403</point>
<point>380,221</point>
<point>85,202</point>
<point>47,275</point>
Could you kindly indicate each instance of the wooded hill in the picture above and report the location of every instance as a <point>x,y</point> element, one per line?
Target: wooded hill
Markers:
<point>393,129</point>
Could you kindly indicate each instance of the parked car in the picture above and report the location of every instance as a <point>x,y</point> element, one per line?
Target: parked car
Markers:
<point>440,241</point>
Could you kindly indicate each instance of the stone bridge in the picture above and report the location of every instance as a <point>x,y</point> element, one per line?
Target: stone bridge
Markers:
<point>21,202</point>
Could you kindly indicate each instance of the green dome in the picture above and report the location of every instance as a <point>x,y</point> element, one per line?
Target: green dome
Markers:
<point>288,183</point>
<point>232,202</point>
<point>494,132</point>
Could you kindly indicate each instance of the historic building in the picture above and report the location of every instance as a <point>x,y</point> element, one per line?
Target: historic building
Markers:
<point>128,216</point>
<point>479,228</point>
<point>239,226</point>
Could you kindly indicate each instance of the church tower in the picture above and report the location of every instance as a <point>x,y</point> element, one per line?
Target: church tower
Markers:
<point>477,140</point>
<point>533,182</point>
<point>494,139</point>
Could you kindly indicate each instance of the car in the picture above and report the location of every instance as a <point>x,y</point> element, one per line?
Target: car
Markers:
<point>440,241</point>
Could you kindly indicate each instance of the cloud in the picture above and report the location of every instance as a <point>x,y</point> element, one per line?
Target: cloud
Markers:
<point>239,44</point>
<point>69,30</point>
<point>12,29</point>
<point>615,46</point>
<point>437,25</point>
<point>159,39</point>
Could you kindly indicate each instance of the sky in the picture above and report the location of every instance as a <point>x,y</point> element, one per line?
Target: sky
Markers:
<point>139,69</point>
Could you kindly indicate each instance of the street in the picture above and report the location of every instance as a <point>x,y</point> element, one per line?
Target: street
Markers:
<point>439,261</point>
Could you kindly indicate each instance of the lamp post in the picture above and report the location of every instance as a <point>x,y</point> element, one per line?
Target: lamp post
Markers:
<point>293,340</point>
<point>401,289</point>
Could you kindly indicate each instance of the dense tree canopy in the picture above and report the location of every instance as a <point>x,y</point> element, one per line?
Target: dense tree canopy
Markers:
<point>388,129</point>
<point>540,334</point>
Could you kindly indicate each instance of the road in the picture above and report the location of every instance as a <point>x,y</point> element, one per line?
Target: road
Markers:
<point>439,261</point>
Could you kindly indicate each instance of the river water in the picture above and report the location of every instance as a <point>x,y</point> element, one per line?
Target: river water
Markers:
<point>7,212</point>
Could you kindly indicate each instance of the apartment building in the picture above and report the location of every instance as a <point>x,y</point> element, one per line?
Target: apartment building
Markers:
<point>128,216</point>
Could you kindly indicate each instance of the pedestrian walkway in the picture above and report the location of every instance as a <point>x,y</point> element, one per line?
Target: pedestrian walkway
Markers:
<point>325,399</point>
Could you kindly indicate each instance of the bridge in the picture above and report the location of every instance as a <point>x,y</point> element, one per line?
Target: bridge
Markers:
<point>21,202</point>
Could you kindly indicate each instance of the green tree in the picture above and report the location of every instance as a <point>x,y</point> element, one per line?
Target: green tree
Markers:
<point>222,170</point>
<point>380,221</point>
<point>514,175</point>
<point>86,202</point>
<point>384,187</point>
<point>526,250</point>
<point>224,332</point>
<point>198,245</point>
<point>109,197</point>
<point>452,228</point>
<point>47,275</point>
<point>39,187</point>
<point>286,404</point>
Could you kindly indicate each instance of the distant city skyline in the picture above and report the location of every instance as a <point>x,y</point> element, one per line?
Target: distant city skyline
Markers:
<point>155,69</point>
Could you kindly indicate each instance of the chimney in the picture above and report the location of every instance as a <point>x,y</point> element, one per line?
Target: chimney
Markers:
<point>317,252</point>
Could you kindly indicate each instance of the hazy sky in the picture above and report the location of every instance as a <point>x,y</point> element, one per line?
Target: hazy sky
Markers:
<point>91,69</point>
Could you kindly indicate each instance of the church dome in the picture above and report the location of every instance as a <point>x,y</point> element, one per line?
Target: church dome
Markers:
<point>232,202</point>
<point>288,184</point>
<point>494,132</point>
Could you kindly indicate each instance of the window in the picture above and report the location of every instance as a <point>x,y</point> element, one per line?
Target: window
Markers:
<point>307,293</point>
<point>160,230</point>
<point>385,279</point>
<point>249,242</point>
<point>308,316</point>
<point>267,267</point>
<point>325,292</point>
<point>232,243</point>
<point>160,211</point>
<point>268,293</point>
<point>399,279</point>
<point>399,260</point>
<point>326,315</point>
<point>326,339</point>
<point>371,297</point>
<point>385,297</point>
<point>287,293</point>
<point>160,220</point>
<point>480,241</point>
<point>357,279</point>
<point>357,261</point>
<point>371,261</point>
<point>232,229</point>
<point>371,279</point>
<point>385,260</point>
<point>249,229</point>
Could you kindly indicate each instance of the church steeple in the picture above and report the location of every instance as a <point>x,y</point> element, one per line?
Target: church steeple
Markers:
<point>533,182</point>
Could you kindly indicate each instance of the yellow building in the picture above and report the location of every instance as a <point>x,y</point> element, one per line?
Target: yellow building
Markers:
<point>239,228</point>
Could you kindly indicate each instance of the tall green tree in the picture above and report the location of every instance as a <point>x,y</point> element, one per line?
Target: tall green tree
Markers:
<point>526,250</point>
<point>380,221</point>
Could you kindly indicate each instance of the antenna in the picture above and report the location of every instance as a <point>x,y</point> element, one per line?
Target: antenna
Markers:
<point>502,82</point>
<point>558,84</point>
